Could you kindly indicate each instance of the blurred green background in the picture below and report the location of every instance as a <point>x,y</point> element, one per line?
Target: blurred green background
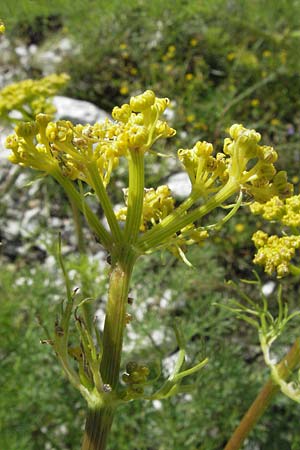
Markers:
<point>219,62</point>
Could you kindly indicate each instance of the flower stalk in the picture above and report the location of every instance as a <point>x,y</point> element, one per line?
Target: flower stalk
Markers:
<point>264,398</point>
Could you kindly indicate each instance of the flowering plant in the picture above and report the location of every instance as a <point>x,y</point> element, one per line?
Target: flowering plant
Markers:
<point>89,154</point>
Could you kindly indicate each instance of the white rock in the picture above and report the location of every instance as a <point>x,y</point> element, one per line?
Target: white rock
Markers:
<point>21,50</point>
<point>13,228</point>
<point>22,180</point>
<point>4,153</point>
<point>157,404</point>
<point>66,45</point>
<point>32,49</point>
<point>158,336</point>
<point>169,362</point>
<point>30,214</point>
<point>50,262</point>
<point>78,111</point>
<point>48,59</point>
<point>268,288</point>
<point>180,184</point>
<point>165,300</point>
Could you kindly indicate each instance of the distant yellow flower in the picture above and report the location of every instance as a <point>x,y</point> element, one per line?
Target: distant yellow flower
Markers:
<point>2,27</point>
<point>283,57</point>
<point>193,42</point>
<point>189,76</point>
<point>231,56</point>
<point>275,122</point>
<point>295,179</point>
<point>169,68</point>
<point>133,71</point>
<point>267,54</point>
<point>239,227</point>
<point>255,102</point>
<point>190,118</point>
<point>201,126</point>
<point>123,46</point>
<point>31,95</point>
<point>124,89</point>
<point>170,53</point>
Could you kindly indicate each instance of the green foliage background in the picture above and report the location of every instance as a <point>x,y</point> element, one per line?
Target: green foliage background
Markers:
<point>244,67</point>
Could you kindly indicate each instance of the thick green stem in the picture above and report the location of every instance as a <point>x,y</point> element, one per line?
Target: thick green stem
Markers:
<point>264,398</point>
<point>115,320</point>
<point>100,415</point>
<point>97,428</point>
<point>135,196</point>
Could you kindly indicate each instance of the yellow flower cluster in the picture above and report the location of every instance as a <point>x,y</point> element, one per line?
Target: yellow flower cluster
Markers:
<point>43,144</point>
<point>243,161</point>
<point>138,122</point>
<point>285,211</point>
<point>204,169</point>
<point>158,203</point>
<point>170,53</point>
<point>2,27</point>
<point>31,97</point>
<point>274,252</point>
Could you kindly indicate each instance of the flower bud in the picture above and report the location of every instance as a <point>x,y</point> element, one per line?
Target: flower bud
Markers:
<point>26,129</point>
<point>142,101</point>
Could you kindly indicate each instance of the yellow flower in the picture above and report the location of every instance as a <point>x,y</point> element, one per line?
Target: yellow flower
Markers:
<point>2,27</point>
<point>231,56</point>
<point>123,46</point>
<point>61,146</point>
<point>275,253</point>
<point>255,102</point>
<point>189,76</point>
<point>267,54</point>
<point>295,179</point>
<point>190,118</point>
<point>33,96</point>
<point>239,227</point>
<point>169,68</point>
<point>283,57</point>
<point>193,42</point>
<point>157,205</point>
<point>285,211</point>
<point>124,89</point>
<point>133,71</point>
<point>201,126</point>
<point>275,122</point>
